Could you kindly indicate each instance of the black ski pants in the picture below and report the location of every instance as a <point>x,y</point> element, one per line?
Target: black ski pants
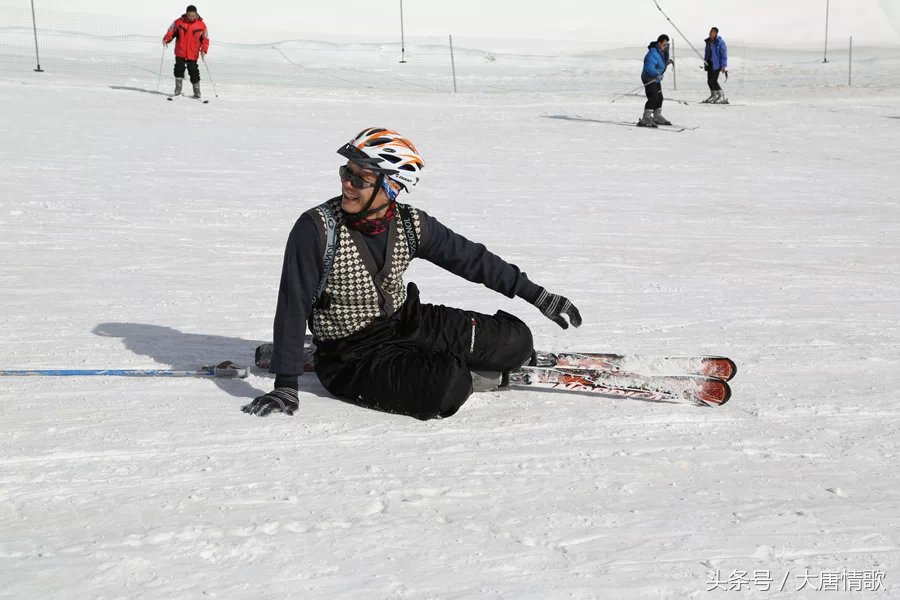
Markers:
<point>712,79</point>
<point>418,361</point>
<point>192,69</point>
<point>654,92</point>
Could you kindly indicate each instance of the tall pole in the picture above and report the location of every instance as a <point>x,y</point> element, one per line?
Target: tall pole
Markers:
<point>452,64</point>
<point>674,78</point>
<point>402,36</point>
<point>37,56</point>
<point>827,3</point>
<point>850,65</point>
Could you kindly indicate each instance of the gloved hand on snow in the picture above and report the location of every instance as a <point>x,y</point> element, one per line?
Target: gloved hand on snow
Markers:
<point>281,399</point>
<point>554,307</point>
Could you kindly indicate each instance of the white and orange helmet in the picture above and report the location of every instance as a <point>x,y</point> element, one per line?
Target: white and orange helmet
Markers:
<point>387,152</point>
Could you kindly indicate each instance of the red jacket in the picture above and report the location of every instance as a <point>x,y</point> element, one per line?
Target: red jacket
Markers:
<point>192,37</point>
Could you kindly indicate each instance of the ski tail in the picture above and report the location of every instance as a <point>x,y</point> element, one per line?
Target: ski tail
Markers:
<point>263,358</point>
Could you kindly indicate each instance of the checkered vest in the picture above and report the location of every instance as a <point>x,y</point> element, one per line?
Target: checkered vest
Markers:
<point>357,292</point>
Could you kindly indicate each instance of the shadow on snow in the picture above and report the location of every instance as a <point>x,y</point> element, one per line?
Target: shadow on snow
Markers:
<point>180,350</point>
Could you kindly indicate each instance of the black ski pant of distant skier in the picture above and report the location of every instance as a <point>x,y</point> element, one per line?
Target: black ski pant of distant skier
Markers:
<point>192,69</point>
<point>712,79</point>
<point>418,362</point>
<point>653,89</point>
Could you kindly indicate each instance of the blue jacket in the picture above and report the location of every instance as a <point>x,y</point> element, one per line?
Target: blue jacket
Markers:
<point>716,53</point>
<point>655,62</point>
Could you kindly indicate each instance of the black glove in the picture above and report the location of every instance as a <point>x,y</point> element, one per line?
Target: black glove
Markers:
<point>281,399</point>
<point>554,307</point>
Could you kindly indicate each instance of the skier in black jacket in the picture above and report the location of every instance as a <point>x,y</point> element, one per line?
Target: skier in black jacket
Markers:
<point>377,345</point>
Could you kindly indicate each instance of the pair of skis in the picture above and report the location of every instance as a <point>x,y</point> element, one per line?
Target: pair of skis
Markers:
<point>631,124</point>
<point>699,380</point>
<point>670,127</point>
<point>172,98</point>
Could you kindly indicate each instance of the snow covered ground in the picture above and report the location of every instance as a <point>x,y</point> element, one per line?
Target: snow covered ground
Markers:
<point>136,232</point>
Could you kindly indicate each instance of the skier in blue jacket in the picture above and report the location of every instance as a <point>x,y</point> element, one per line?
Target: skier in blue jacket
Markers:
<point>655,63</point>
<point>716,61</point>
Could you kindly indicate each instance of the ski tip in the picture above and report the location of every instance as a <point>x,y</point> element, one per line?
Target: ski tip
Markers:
<point>734,369</point>
<point>169,99</point>
<point>716,392</point>
<point>726,395</point>
<point>720,367</point>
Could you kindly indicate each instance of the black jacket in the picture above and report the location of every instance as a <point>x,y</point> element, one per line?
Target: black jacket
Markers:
<point>302,271</point>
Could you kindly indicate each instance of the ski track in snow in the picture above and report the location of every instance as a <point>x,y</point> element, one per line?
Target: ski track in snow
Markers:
<point>138,233</point>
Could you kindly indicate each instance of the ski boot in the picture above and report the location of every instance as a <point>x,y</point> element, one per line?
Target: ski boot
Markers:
<point>712,96</point>
<point>196,90</point>
<point>489,381</point>
<point>178,82</point>
<point>720,98</point>
<point>659,119</point>
<point>647,119</point>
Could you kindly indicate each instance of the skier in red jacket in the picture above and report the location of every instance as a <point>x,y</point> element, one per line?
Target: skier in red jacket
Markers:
<point>192,40</point>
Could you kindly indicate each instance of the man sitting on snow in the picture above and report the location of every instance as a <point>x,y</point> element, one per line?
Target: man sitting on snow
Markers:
<point>376,344</point>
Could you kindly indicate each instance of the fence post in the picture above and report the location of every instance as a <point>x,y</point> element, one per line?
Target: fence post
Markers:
<point>452,64</point>
<point>37,56</point>
<point>850,65</point>
<point>402,36</point>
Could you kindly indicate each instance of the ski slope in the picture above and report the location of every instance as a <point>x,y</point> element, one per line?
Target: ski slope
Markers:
<point>140,233</point>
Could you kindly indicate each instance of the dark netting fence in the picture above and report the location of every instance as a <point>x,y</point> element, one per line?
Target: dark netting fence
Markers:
<point>121,51</point>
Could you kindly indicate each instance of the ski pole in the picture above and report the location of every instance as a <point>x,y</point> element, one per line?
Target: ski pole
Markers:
<point>161,58</point>
<point>211,82</point>
<point>640,87</point>
<point>225,370</point>
<point>684,37</point>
